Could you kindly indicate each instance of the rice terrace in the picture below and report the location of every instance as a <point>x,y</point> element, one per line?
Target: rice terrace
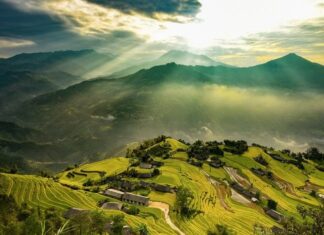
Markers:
<point>147,117</point>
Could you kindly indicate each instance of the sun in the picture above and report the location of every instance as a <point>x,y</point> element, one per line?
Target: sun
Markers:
<point>234,19</point>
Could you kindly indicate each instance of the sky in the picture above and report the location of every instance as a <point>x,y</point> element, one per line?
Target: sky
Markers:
<point>236,32</point>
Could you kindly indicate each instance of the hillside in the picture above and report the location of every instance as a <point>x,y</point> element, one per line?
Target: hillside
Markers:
<point>221,176</point>
<point>289,72</point>
<point>77,63</point>
<point>98,117</point>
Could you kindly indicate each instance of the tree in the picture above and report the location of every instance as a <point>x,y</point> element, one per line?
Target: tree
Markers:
<point>117,224</point>
<point>272,204</point>
<point>314,154</point>
<point>142,229</point>
<point>183,199</point>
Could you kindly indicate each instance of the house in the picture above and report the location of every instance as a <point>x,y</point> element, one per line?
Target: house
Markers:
<point>162,188</point>
<point>112,206</point>
<point>156,163</point>
<point>126,230</point>
<point>259,171</point>
<point>275,215</point>
<point>127,185</point>
<point>241,190</point>
<point>144,165</point>
<point>217,164</point>
<point>144,184</point>
<point>135,199</point>
<point>253,199</point>
<point>114,193</point>
<point>73,212</point>
<point>144,175</point>
<point>277,157</point>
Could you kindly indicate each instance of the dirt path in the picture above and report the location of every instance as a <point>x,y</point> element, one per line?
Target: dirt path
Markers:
<point>165,209</point>
<point>221,191</point>
<point>239,198</point>
<point>236,177</point>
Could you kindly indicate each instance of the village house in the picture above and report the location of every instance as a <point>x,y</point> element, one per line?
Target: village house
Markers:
<point>144,184</point>
<point>162,188</point>
<point>259,171</point>
<point>112,206</point>
<point>275,215</point>
<point>144,175</point>
<point>136,199</point>
<point>144,165</point>
<point>217,164</point>
<point>244,192</point>
<point>128,186</point>
<point>127,197</point>
<point>156,163</point>
<point>277,157</point>
<point>114,193</point>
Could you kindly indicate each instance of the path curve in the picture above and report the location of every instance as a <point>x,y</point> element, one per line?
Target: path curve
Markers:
<point>165,208</point>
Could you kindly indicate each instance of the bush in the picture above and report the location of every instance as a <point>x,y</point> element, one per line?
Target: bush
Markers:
<point>272,204</point>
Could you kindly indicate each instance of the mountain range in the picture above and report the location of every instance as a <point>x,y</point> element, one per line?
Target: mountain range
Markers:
<point>87,119</point>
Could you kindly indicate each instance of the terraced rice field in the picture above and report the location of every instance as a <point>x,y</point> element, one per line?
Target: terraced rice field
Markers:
<point>206,199</point>
<point>92,171</point>
<point>45,193</point>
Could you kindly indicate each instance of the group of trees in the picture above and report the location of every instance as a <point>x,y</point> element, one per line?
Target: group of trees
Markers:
<point>183,203</point>
<point>235,147</point>
<point>201,151</point>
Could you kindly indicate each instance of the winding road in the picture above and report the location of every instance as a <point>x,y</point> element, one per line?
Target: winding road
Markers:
<point>165,208</point>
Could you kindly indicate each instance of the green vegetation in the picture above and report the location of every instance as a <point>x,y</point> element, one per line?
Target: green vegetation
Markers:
<point>201,199</point>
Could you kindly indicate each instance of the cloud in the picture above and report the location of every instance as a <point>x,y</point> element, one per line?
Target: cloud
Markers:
<point>153,7</point>
<point>291,144</point>
<point>12,42</point>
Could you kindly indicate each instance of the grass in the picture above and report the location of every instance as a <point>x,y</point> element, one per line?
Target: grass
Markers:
<point>110,166</point>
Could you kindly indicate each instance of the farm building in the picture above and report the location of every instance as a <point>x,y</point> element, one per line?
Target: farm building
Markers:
<point>114,193</point>
<point>144,175</point>
<point>162,188</point>
<point>135,199</point>
<point>127,185</point>
<point>275,215</point>
<point>157,163</point>
<point>259,171</point>
<point>112,206</point>
<point>145,165</point>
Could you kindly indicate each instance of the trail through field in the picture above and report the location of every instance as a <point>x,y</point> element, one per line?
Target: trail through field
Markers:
<point>165,208</point>
<point>239,198</point>
<point>221,191</point>
<point>236,177</point>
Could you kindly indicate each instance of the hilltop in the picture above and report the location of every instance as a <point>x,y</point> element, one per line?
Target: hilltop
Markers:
<point>231,183</point>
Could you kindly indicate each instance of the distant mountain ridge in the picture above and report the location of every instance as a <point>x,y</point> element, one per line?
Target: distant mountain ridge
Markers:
<point>173,56</point>
<point>74,62</point>
<point>93,118</point>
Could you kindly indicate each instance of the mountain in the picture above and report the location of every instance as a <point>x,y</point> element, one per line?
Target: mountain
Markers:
<point>77,63</point>
<point>187,58</point>
<point>290,72</point>
<point>19,86</point>
<point>173,56</point>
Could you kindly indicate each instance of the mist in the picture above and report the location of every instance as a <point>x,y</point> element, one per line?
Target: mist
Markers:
<point>278,118</point>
